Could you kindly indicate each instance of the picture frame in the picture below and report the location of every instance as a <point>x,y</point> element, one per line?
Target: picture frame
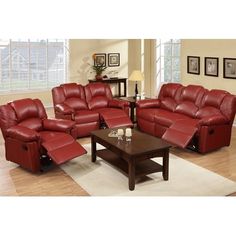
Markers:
<point>229,68</point>
<point>212,66</point>
<point>193,65</point>
<point>113,59</point>
<point>100,59</point>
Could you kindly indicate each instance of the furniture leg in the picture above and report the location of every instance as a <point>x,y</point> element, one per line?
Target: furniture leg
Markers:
<point>131,164</point>
<point>125,93</point>
<point>93,146</point>
<point>132,106</point>
<point>165,164</point>
<point>119,89</point>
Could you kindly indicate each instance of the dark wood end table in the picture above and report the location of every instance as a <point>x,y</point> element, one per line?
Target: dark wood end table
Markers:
<point>132,158</point>
<point>115,80</point>
<point>132,101</point>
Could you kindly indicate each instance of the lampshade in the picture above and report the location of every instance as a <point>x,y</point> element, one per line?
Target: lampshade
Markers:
<point>136,75</point>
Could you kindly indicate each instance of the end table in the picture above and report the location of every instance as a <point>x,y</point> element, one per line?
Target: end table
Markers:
<point>132,101</point>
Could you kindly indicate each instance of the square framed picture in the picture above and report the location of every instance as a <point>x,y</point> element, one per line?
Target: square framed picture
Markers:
<point>193,65</point>
<point>113,59</point>
<point>100,59</point>
<point>211,66</point>
<point>229,68</point>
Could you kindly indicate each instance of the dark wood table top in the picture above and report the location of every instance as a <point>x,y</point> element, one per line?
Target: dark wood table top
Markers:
<point>141,143</point>
<point>132,99</point>
<point>111,79</point>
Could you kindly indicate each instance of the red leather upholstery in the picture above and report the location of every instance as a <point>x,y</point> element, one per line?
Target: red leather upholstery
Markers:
<point>190,114</point>
<point>70,103</point>
<point>28,133</point>
<point>86,104</point>
<point>99,98</point>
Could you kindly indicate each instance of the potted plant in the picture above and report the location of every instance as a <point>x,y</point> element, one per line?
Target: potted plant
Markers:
<point>99,66</point>
<point>98,70</point>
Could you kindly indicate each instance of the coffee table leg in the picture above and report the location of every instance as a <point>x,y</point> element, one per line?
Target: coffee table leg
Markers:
<point>93,147</point>
<point>165,164</point>
<point>131,175</point>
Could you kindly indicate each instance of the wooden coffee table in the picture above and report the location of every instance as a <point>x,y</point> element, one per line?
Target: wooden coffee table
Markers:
<point>132,158</point>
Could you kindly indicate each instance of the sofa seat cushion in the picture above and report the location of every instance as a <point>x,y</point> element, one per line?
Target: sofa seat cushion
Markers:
<point>86,116</point>
<point>115,112</point>
<point>147,114</point>
<point>32,123</point>
<point>167,118</point>
<point>76,103</point>
<point>49,135</point>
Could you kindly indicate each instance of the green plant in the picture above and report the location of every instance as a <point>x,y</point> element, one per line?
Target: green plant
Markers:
<point>99,69</point>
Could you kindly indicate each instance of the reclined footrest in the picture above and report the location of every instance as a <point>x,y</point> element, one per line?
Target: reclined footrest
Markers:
<point>63,149</point>
<point>179,134</point>
<point>116,119</point>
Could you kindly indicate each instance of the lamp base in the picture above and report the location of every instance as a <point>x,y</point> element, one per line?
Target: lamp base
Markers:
<point>136,89</point>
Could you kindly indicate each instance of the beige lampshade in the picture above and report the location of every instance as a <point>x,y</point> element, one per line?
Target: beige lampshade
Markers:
<point>136,75</point>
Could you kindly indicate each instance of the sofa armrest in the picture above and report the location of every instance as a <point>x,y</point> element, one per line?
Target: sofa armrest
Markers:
<point>213,120</point>
<point>22,133</point>
<point>148,103</point>
<point>64,109</point>
<point>58,125</point>
<point>118,103</point>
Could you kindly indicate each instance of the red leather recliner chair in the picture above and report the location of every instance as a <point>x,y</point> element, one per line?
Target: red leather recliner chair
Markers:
<point>29,135</point>
<point>89,107</point>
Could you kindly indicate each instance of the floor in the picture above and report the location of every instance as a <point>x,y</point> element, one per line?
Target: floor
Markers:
<point>15,181</point>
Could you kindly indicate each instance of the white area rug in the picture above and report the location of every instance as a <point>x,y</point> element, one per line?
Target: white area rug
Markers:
<point>185,179</point>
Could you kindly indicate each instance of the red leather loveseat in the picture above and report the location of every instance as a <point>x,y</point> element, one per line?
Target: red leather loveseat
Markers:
<point>29,135</point>
<point>189,116</point>
<point>90,107</point>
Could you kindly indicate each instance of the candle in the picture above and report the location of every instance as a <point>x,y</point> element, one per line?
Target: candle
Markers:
<point>120,133</point>
<point>128,134</point>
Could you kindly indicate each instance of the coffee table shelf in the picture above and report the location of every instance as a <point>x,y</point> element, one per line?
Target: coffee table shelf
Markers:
<point>143,168</point>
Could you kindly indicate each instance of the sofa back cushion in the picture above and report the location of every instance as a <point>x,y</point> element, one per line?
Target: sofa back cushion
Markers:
<point>190,100</point>
<point>7,118</point>
<point>71,94</point>
<point>73,90</point>
<point>218,102</point>
<point>97,95</point>
<point>32,123</point>
<point>25,109</point>
<point>58,96</point>
<point>169,95</point>
<point>74,96</point>
<point>25,112</point>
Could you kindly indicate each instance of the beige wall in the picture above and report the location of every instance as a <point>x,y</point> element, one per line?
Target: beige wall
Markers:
<point>134,52</point>
<point>208,48</point>
<point>81,51</point>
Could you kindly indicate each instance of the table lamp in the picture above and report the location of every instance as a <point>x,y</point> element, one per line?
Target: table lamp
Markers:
<point>136,76</point>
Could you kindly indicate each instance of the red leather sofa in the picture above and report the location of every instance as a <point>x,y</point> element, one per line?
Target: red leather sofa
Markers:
<point>29,135</point>
<point>189,116</point>
<point>90,107</point>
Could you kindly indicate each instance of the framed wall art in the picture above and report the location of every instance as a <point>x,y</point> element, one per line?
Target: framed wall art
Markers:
<point>113,59</point>
<point>100,59</point>
<point>229,68</point>
<point>211,66</point>
<point>193,65</point>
